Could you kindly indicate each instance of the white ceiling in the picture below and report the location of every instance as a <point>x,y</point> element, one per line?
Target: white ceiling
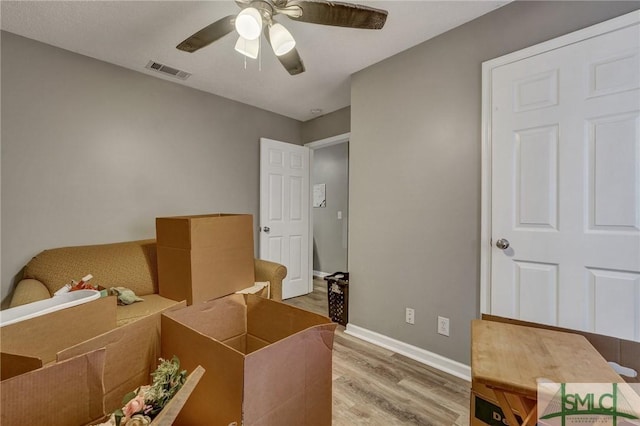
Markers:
<point>130,33</point>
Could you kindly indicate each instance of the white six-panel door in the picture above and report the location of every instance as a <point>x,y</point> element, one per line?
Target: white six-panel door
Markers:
<point>284,212</point>
<point>565,186</point>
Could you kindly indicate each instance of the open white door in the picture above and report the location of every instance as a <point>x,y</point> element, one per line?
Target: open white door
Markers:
<point>565,184</point>
<point>284,213</point>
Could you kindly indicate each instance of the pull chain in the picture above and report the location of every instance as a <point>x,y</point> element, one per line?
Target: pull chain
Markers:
<point>259,53</point>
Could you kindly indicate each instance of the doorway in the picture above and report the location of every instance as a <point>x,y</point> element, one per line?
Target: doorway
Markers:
<point>561,199</point>
<point>330,204</point>
<point>285,229</point>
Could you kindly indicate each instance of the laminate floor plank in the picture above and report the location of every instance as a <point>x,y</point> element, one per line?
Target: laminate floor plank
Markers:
<point>376,386</point>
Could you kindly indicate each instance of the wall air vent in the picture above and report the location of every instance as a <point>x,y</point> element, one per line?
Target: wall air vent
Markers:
<point>165,69</point>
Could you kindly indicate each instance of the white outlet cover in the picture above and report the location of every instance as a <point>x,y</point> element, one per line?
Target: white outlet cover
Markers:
<point>443,326</point>
<point>410,316</point>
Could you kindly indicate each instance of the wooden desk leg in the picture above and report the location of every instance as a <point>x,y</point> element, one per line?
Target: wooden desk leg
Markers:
<point>531,418</point>
<point>506,408</point>
<point>528,409</point>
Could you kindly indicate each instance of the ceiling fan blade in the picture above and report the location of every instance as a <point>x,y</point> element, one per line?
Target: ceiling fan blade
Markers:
<point>337,14</point>
<point>208,34</point>
<point>291,60</point>
<point>243,3</point>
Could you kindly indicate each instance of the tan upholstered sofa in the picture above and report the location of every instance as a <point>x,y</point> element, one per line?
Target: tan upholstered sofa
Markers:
<point>129,264</point>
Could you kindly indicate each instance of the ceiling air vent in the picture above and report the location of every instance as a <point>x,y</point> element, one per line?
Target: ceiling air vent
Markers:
<point>165,69</point>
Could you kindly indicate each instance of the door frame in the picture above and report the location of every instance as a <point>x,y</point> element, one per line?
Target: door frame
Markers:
<point>610,25</point>
<point>324,143</point>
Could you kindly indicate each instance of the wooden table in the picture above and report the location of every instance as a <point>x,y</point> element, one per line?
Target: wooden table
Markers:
<point>509,359</point>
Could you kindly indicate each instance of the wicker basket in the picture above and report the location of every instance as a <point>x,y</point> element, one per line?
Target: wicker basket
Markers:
<point>338,297</point>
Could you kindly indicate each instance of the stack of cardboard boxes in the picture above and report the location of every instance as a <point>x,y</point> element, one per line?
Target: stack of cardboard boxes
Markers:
<point>266,362</point>
<point>204,257</point>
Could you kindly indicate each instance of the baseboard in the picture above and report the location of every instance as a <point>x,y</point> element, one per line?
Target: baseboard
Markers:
<point>431,359</point>
<point>320,274</point>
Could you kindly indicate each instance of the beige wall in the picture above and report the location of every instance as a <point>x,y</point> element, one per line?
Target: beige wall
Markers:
<point>92,152</point>
<point>414,225</point>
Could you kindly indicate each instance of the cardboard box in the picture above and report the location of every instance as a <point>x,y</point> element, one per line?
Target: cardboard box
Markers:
<point>61,394</point>
<point>132,353</point>
<point>204,257</point>
<point>13,365</point>
<point>35,342</point>
<point>71,392</point>
<point>267,363</point>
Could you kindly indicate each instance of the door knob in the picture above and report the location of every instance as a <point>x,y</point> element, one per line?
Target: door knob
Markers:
<point>266,229</point>
<point>502,244</point>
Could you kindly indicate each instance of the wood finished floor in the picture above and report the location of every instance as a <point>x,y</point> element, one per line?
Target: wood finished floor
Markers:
<point>374,386</point>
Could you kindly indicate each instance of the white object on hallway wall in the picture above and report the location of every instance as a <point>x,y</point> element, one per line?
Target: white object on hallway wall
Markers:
<point>320,195</point>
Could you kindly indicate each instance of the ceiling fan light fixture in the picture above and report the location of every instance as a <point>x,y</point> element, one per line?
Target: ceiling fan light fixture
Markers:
<point>281,39</point>
<point>249,23</point>
<point>248,48</point>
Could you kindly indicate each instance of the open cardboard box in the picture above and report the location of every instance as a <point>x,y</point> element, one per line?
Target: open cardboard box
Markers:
<point>65,394</point>
<point>35,342</point>
<point>204,257</point>
<point>267,363</point>
<point>132,353</point>
<point>71,393</point>
<point>123,359</point>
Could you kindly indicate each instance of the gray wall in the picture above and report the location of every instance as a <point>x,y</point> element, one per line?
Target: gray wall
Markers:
<point>92,152</point>
<point>331,167</point>
<point>414,225</point>
<point>332,124</point>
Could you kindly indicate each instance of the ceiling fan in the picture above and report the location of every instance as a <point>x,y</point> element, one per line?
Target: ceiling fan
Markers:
<point>257,17</point>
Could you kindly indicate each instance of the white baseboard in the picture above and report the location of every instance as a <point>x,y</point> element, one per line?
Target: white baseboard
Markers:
<point>431,359</point>
<point>320,274</point>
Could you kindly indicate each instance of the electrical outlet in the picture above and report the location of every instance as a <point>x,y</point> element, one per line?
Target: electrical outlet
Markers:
<point>443,326</point>
<point>410,316</point>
